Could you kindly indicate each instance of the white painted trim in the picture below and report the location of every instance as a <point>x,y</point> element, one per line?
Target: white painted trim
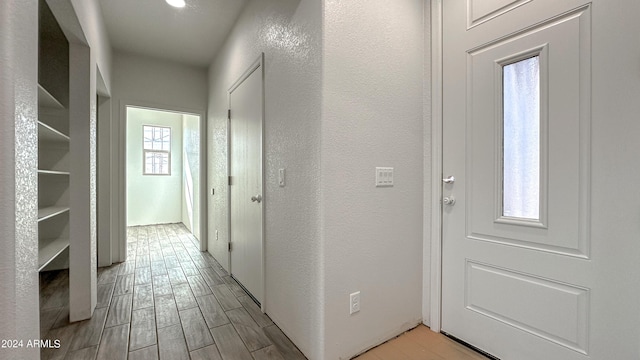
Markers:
<point>204,185</point>
<point>122,193</point>
<point>83,217</point>
<point>252,68</point>
<point>436,166</point>
<point>257,64</point>
<point>159,107</point>
<point>227,181</point>
<point>426,163</point>
<point>105,230</point>
<point>263,305</point>
<point>121,237</point>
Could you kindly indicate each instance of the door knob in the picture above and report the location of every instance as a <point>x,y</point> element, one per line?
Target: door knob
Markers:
<point>449,200</point>
<point>449,180</point>
<point>256,198</point>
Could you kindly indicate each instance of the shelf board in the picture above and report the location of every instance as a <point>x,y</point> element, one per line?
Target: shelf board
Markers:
<point>45,99</point>
<point>47,133</point>
<point>51,211</point>
<point>49,249</point>
<point>53,172</point>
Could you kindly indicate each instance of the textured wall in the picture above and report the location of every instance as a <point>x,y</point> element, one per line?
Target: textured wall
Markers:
<point>288,32</point>
<point>18,178</point>
<point>153,199</point>
<point>18,72</point>
<point>372,115</point>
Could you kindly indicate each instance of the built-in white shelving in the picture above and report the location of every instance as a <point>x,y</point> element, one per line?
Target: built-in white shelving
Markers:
<point>51,211</point>
<point>45,99</point>
<point>49,249</point>
<point>48,133</point>
<point>53,172</point>
<point>65,108</point>
<point>53,178</point>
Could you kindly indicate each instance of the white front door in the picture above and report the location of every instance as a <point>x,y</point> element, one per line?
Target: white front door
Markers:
<point>541,252</point>
<point>245,170</point>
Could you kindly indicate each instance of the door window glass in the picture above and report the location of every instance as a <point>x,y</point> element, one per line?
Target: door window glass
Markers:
<point>521,139</point>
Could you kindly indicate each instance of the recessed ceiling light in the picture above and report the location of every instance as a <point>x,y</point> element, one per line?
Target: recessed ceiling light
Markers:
<point>176,3</point>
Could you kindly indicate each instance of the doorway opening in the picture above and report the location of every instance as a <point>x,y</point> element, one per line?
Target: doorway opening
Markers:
<point>163,169</point>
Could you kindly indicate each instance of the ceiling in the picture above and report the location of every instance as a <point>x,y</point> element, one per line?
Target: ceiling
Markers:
<point>191,35</point>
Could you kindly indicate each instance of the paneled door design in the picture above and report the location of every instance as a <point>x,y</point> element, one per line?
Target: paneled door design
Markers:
<point>246,180</point>
<point>533,256</point>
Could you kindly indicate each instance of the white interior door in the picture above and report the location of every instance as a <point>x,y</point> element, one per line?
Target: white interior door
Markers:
<point>536,252</point>
<point>245,170</point>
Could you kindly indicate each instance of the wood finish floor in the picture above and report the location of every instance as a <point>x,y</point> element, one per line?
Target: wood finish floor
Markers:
<point>168,301</point>
<point>421,344</point>
<point>171,301</point>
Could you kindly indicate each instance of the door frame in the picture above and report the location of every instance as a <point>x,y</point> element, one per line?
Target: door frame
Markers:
<point>121,136</point>
<point>433,284</point>
<point>258,64</point>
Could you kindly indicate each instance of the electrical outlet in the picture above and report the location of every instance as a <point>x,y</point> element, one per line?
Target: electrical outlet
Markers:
<point>216,234</point>
<point>354,302</point>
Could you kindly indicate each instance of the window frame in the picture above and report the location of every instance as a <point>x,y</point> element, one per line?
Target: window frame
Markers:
<point>517,151</point>
<point>152,151</point>
<point>542,52</point>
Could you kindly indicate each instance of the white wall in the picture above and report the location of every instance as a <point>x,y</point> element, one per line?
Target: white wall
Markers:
<point>90,17</point>
<point>153,83</point>
<point>191,173</point>
<point>82,196</point>
<point>288,32</point>
<point>372,115</point>
<point>18,178</point>
<point>170,85</point>
<point>330,231</point>
<point>90,20</point>
<point>153,199</point>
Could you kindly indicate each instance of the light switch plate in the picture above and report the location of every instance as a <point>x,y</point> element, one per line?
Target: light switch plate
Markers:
<point>384,176</point>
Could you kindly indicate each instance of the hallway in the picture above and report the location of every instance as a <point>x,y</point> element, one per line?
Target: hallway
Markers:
<point>168,301</point>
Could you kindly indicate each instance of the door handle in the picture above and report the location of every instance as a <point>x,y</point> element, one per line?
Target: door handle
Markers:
<point>449,180</point>
<point>256,198</point>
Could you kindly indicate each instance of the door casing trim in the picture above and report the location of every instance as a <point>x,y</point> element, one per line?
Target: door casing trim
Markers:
<point>434,284</point>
